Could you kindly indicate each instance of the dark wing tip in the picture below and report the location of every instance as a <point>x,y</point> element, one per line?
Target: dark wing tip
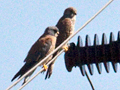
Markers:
<point>18,74</point>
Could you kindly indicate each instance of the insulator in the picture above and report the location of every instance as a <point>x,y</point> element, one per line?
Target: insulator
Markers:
<point>94,54</point>
<point>113,51</point>
<point>88,54</point>
<point>80,60</point>
<point>105,52</point>
<point>98,64</point>
<point>118,45</point>
<point>70,59</point>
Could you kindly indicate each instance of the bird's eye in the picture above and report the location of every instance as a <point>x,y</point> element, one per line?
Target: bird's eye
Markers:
<point>71,11</point>
<point>55,31</point>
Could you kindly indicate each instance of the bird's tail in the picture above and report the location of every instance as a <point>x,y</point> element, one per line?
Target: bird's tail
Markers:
<point>24,69</point>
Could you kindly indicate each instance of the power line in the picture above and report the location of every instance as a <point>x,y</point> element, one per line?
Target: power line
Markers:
<point>89,81</point>
<point>41,70</point>
<point>60,45</point>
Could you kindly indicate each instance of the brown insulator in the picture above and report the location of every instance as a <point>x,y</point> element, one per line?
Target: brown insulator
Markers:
<point>79,55</point>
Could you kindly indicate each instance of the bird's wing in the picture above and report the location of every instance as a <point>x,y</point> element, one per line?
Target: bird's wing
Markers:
<point>37,52</point>
<point>39,49</point>
<point>66,29</point>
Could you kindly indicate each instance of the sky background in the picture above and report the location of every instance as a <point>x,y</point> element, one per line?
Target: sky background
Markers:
<point>22,22</point>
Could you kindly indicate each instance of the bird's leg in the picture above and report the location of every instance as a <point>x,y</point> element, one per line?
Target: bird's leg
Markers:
<point>65,47</point>
<point>45,67</point>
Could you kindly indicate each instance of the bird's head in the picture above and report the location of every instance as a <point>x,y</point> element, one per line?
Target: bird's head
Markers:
<point>52,30</point>
<point>70,12</point>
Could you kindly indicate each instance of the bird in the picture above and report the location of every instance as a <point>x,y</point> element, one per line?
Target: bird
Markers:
<point>40,49</point>
<point>66,28</point>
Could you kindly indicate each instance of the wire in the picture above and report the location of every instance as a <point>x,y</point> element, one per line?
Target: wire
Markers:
<point>60,45</point>
<point>89,80</point>
<point>41,70</point>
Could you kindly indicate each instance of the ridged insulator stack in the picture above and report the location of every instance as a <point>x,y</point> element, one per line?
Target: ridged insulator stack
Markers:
<point>79,55</point>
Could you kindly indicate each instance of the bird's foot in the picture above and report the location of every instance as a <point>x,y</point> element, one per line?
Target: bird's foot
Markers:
<point>45,67</point>
<point>65,48</point>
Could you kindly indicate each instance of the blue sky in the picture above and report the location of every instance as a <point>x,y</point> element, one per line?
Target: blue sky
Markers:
<point>22,22</point>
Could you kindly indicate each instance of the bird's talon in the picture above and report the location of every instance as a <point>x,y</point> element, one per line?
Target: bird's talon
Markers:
<point>45,67</point>
<point>65,48</point>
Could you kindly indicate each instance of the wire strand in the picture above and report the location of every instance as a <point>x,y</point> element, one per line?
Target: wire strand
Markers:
<point>60,45</point>
<point>89,80</point>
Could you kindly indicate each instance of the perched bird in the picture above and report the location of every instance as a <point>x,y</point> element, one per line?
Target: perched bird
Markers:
<point>40,49</point>
<point>66,28</point>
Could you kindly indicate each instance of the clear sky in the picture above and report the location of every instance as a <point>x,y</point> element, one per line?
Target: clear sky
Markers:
<point>22,22</point>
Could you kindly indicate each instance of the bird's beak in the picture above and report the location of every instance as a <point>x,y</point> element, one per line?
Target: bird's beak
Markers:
<point>57,32</point>
<point>75,13</point>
